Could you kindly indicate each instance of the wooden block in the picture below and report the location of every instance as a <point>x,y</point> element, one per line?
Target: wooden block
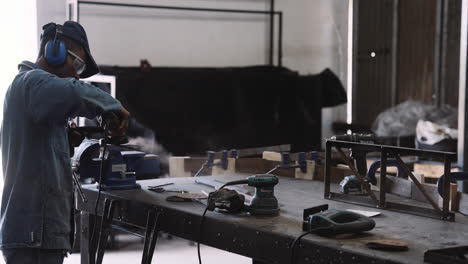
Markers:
<point>407,189</point>
<point>192,165</point>
<point>395,185</point>
<point>177,167</point>
<point>431,170</point>
<point>431,190</point>
<point>231,168</point>
<point>261,166</point>
<point>309,174</point>
<point>391,170</point>
<point>454,198</point>
<point>463,203</point>
<point>419,177</point>
<point>258,151</point>
<point>276,156</point>
<point>337,174</point>
<point>271,155</point>
<point>343,166</point>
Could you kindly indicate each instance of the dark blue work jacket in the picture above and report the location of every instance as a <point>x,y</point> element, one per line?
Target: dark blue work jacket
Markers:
<point>37,195</point>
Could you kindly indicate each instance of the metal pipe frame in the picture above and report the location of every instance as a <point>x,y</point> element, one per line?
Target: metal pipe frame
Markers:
<point>438,52</point>
<point>272,31</point>
<point>396,153</point>
<point>462,103</point>
<point>271,13</point>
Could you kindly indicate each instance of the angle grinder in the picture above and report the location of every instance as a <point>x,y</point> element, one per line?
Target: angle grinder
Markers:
<point>263,202</point>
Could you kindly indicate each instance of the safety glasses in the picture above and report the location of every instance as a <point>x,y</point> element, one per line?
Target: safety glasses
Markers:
<point>78,64</point>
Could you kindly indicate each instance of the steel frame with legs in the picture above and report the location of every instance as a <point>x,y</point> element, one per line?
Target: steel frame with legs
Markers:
<point>381,202</point>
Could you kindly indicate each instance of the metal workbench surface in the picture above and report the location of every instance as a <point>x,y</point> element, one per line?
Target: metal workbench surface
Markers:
<point>268,239</point>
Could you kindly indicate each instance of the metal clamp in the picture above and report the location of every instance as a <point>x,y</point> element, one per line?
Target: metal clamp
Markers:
<point>286,161</point>
<point>223,163</point>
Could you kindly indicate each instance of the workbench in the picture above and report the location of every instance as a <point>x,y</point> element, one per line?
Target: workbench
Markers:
<point>268,239</point>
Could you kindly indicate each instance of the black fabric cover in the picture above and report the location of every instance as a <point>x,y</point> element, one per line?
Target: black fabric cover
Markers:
<point>192,110</point>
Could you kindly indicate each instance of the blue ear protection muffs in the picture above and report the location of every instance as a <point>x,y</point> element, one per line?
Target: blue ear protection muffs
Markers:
<point>55,52</point>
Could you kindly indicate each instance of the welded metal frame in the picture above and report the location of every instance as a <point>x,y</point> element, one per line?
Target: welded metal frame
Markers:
<point>73,13</point>
<point>453,255</point>
<point>396,153</point>
<point>462,103</point>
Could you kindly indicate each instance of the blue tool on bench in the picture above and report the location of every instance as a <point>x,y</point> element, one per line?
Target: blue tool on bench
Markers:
<point>121,165</point>
<point>114,165</point>
<point>326,222</point>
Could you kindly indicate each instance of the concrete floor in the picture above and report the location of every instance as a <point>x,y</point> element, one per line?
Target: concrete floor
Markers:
<point>173,250</point>
<point>168,251</point>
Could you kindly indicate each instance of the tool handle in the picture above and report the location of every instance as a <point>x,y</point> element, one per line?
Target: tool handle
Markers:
<point>359,225</point>
<point>234,183</point>
<point>459,176</point>
<point>111,120</point>
<point>334,222</point>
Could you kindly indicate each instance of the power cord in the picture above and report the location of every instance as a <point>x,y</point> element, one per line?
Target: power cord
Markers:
<point>203,219</point>
<point>199,234</point>
<point>99,188</point>
<point>200,170</point>
<point>296,241</point>
<point>206,209</point>
<point>272,170</point>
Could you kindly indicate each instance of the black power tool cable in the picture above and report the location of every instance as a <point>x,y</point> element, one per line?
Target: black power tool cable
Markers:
<point>297,240</point>
<point>206,209</point>
<point>200,233</point>
<point>99,189</point>
<point>200,230</point>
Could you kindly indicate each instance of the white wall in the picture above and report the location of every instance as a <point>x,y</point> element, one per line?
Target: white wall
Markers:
<point>19,42</point>
<point>315,36</point>
<point>19,39</point>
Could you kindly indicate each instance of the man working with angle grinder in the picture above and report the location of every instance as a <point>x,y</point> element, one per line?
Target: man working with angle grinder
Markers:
<point>37,202</point>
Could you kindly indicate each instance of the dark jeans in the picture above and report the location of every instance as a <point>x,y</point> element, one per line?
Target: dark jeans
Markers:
<point>33,256</point>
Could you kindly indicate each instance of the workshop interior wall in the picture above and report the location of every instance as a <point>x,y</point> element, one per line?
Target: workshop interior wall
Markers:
<point>315,36</point>
<point>425,49</point>
<point>416,56</point>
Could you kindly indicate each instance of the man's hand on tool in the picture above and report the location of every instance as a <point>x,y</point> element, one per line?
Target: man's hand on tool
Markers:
<point>74,137</point>
<point>123,116</point>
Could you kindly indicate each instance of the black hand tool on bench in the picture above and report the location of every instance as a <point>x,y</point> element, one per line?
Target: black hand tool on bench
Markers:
<point>324,221</point>
<point>226,200</point>
<point>264,201</point>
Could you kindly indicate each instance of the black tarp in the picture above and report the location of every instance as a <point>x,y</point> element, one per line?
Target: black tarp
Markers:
<point>192,110</point>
